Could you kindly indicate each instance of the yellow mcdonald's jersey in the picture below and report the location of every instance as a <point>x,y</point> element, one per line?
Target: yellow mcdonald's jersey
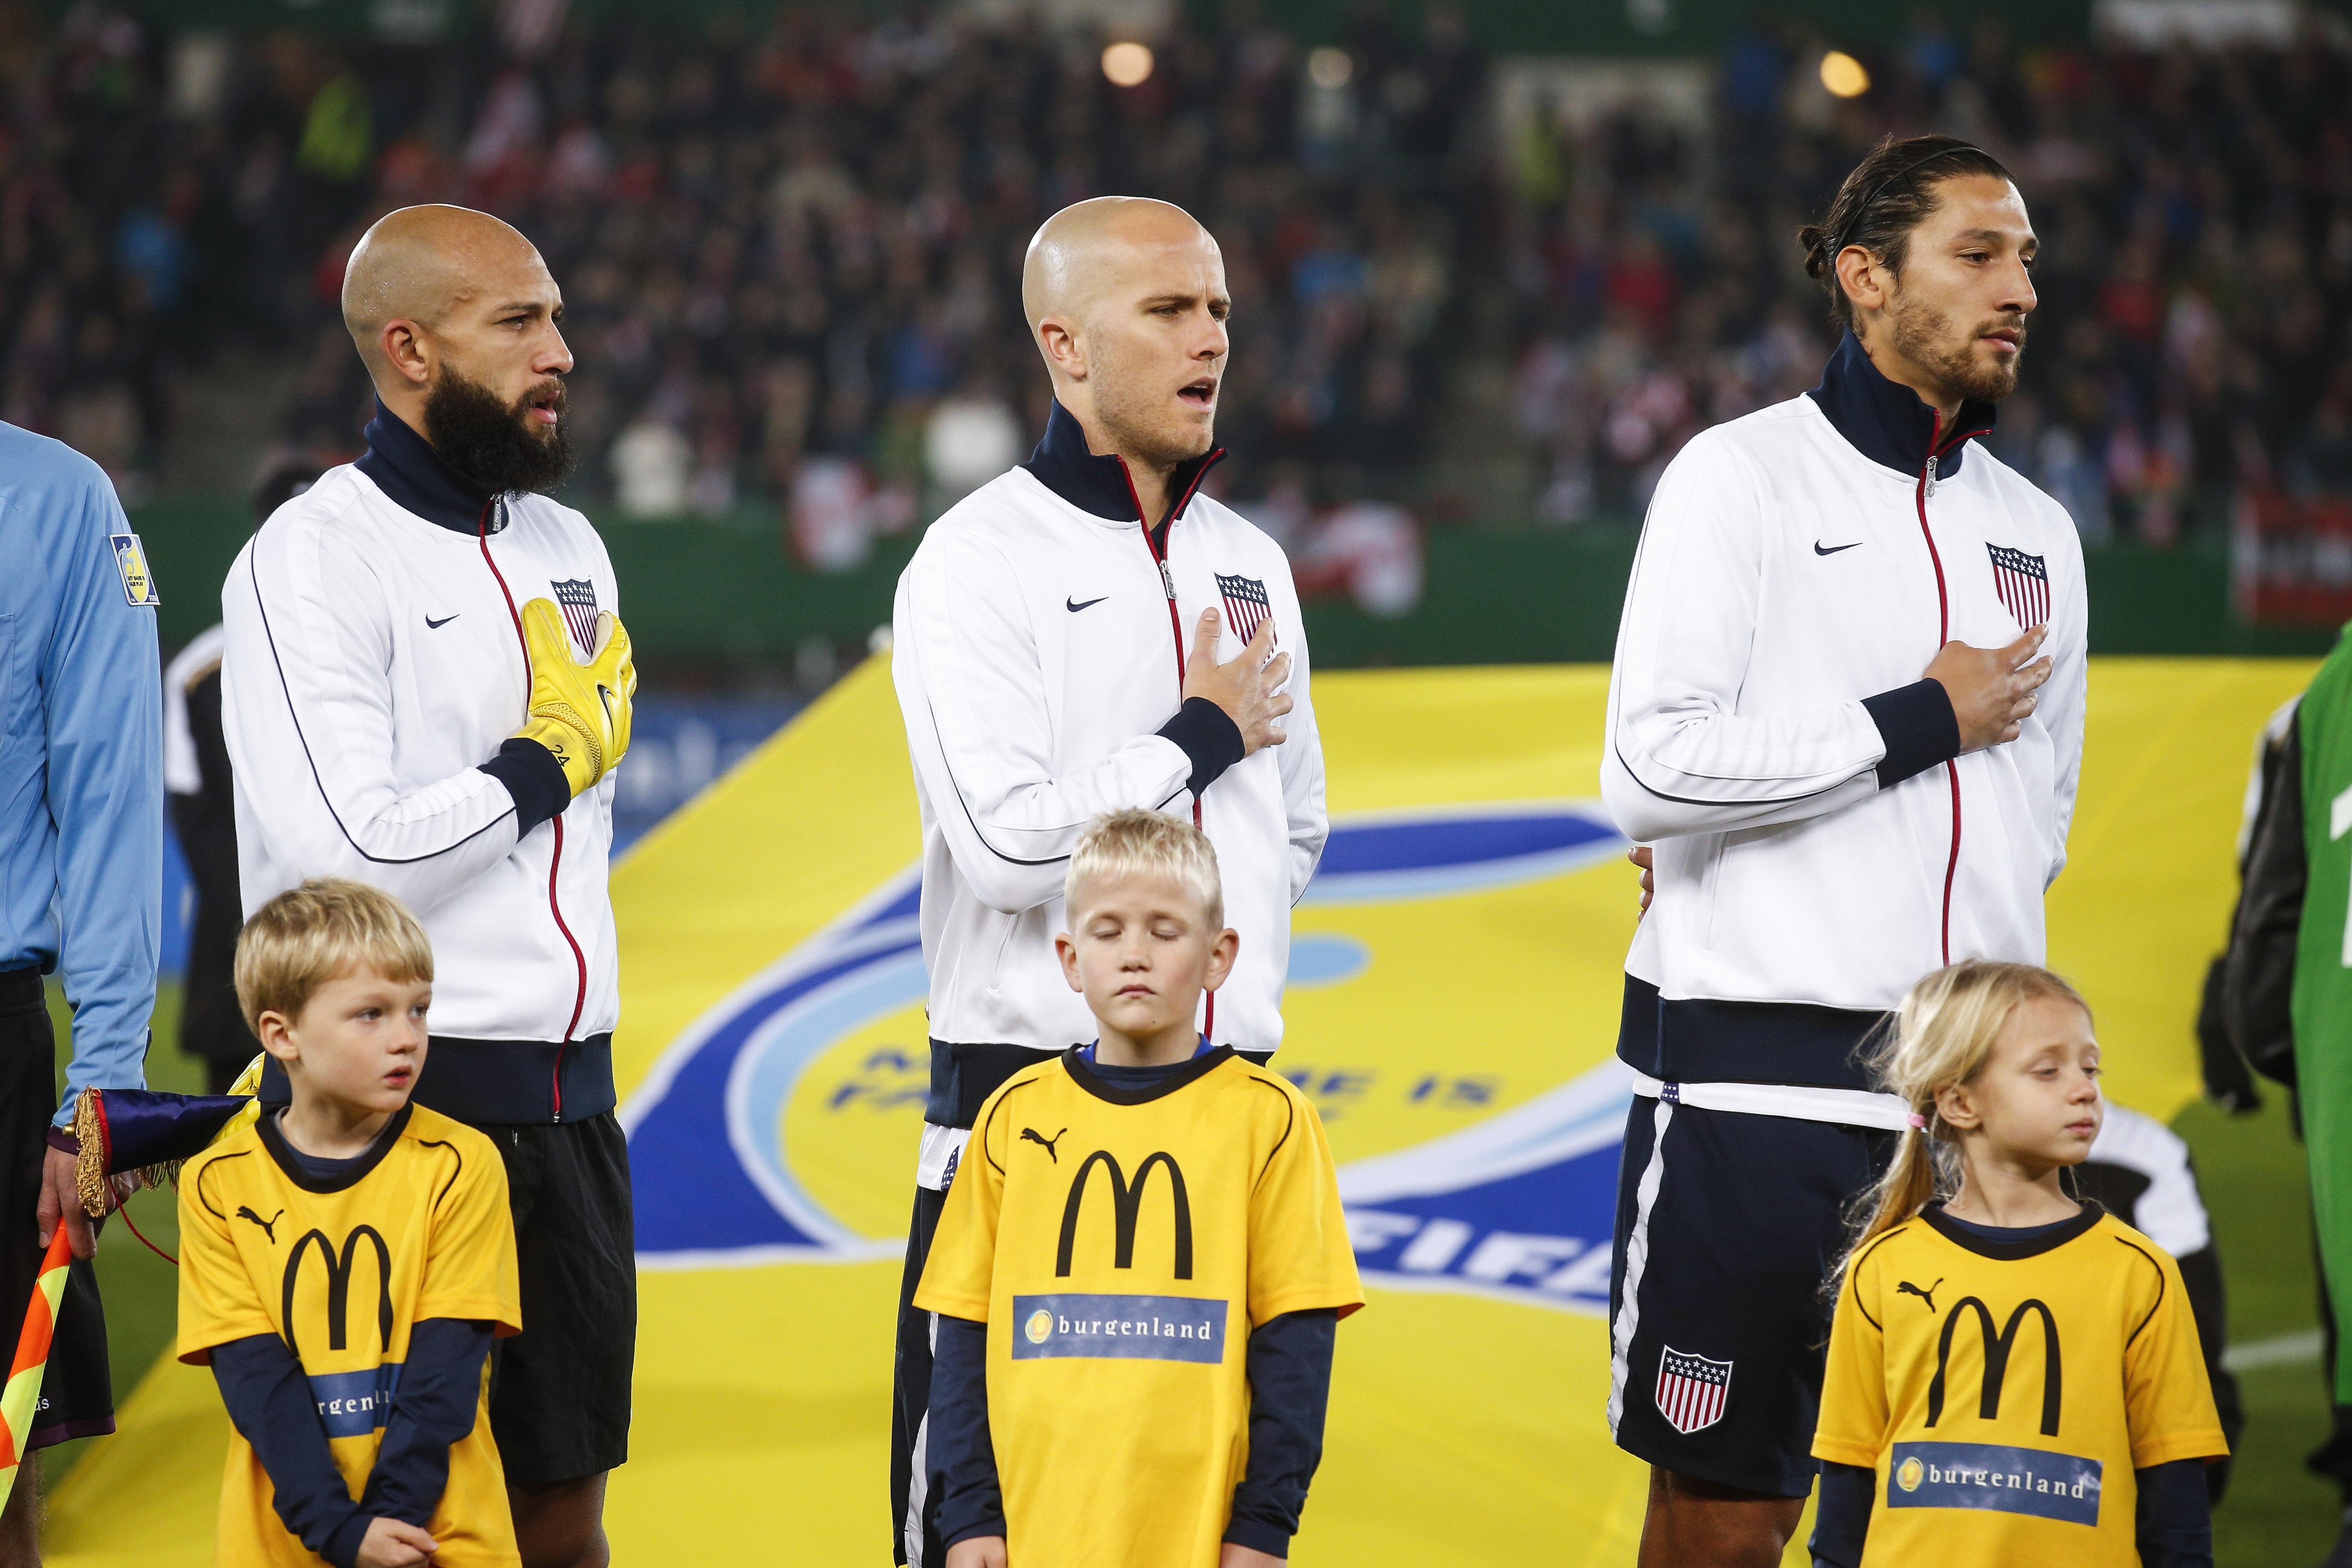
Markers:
<point>2005,1392</point>
<point>1120,1244</point>
<point>342,1274</point>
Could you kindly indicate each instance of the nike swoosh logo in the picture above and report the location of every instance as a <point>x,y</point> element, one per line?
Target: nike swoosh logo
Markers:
<point>1833,549</point>
<point>1073,607</point>
<point>433,624</point>
<point>604,695</point>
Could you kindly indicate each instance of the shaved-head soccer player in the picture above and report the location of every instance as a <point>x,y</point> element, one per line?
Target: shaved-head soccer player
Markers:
<point>426,690</point>
<point>1089,632</point>
<point>1845,723</point>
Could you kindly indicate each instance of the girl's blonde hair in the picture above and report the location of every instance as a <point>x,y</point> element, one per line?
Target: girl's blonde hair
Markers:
<point>1942,1035</point>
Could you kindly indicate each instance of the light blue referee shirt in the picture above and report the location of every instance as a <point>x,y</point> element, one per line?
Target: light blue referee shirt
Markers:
<point>81,743</point>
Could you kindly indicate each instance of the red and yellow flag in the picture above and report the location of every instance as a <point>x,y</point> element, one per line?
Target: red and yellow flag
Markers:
<point>23,1397</point>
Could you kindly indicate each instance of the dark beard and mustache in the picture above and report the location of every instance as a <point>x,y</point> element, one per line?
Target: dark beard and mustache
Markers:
<point>1924,337</point>
<point>487,440</point>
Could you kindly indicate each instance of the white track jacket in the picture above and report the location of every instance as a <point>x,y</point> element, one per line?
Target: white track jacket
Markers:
<point>1768,730</point>
<point>375,670</point>
<point>1039,654</point>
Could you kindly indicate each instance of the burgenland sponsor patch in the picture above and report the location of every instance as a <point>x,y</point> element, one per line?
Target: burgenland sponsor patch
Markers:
<point>2063,1487</point>
<point>1127,1328</point>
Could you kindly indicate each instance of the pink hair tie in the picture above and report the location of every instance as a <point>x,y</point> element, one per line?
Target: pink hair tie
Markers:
<point>1919,1122</point>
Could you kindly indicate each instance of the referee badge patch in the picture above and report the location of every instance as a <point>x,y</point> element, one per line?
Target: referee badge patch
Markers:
<point>1691,1390</point>
<point>131,559</point>
<point>577,596</point>
<point>1246,605</point>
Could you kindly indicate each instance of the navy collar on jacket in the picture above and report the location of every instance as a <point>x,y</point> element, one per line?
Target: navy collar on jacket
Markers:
<point>417,478</point>
<point>1885,421</point>
<point>1066,465</point>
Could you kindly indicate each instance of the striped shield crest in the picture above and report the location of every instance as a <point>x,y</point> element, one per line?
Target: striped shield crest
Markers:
<point>2022,581</point>
<point>1246,605</point>
<point>577,598</point>
<point>1691,1390</point>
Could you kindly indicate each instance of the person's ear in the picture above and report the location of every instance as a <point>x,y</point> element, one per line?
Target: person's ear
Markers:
<point>1067,952</point>
<point>407,350</point>
<point>1222,953</point>
<point>1867,283</point>
<point>1058,337</point>
<point>275,1030</point>
<point>1956,1107</point>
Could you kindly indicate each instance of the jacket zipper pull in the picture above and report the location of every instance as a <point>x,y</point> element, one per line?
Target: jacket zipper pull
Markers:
<point>1167,582</point>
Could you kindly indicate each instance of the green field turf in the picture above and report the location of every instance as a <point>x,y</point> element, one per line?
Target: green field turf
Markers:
<point>2276,1514</point>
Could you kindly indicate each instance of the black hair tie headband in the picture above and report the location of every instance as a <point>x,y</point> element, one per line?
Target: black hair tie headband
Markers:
<point>1861,209</point>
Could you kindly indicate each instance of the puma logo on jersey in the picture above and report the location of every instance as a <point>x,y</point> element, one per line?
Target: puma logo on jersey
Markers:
<point>268,1226</point>
<point>1031,1135</point>
<point>1904,1288</point>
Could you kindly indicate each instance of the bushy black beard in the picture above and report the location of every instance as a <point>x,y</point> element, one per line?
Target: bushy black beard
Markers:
<point>488,441</point>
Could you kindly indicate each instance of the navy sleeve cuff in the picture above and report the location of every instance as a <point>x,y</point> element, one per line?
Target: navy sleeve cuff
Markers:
<point>1919,727</point>
<point>1259,1536</point>
<point>343,1548</point>
<point>1208,736</point>
<point>534,778</point>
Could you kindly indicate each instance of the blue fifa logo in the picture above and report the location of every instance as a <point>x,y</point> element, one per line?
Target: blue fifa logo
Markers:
<point>1516,1207</point>
<point>1118,1328</point>
<point>354,1403</point>
<point>1994,1477</point>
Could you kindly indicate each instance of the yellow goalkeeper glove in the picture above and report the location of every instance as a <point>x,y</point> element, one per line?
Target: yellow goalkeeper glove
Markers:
<point>579,711</point>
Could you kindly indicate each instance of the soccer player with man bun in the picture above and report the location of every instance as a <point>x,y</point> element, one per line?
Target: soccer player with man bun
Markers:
<point>426,690</point>
<point>1844,726</point>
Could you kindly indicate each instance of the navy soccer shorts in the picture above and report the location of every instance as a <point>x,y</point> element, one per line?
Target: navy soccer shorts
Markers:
<point>1728,1225</point>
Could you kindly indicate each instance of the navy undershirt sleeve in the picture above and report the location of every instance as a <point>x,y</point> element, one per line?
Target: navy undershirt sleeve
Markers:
<point>1209,737</point>
<point>962,1458</point>
<point>1290,1386</point>
<point>2176,1516</point>
<point>535,779</point>
<point>268,1399</point>
<point>1841,1518</point>
<point>439,1394</point>
<point>1919,727</point>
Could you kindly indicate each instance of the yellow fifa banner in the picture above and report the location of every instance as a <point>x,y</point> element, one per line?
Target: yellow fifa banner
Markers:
<point>1455,989</point>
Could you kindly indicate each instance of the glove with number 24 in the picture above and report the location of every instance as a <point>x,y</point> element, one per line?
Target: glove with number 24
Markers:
<point>578,712</point>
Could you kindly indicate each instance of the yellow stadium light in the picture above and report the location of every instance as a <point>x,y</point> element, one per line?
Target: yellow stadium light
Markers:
<point>1126,65</point>
<point>1843,76</point>
<point>1330,69</point>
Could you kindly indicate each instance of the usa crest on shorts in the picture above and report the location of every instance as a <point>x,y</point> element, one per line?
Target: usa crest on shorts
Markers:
<point>577,597</point>
<point>1691,1390</point>
<point>2022,581</point>
<point>1246,605</point>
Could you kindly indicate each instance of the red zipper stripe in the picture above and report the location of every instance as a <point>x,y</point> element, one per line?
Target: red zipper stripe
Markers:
<point>1937,447</point>
<point>1175,623</point>
<point>554,906</point>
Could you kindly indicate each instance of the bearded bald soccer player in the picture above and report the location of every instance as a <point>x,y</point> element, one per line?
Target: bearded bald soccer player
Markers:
<point>1085,633</point>
<point>424,687</point>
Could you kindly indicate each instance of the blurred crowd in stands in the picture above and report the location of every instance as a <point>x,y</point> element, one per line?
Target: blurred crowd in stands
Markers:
<point>2194,339</point>
<point>791,248</point>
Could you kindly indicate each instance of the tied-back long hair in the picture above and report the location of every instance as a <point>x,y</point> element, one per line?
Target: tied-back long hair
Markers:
<point>1942,1035</point>
<point>1888,194</point>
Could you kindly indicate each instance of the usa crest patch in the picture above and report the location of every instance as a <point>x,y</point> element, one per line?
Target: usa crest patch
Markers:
<point>2022,581</point>
<point>1246,605</point>
<point>577,597</point>
<point>1691,1390</point>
